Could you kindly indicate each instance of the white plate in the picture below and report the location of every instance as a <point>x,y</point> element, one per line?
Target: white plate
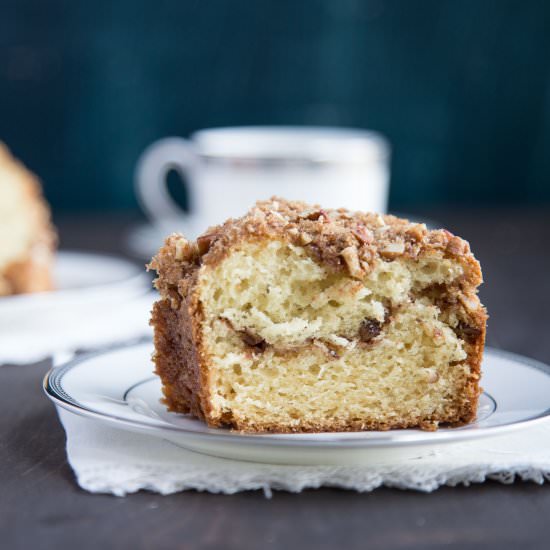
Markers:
<point>38,325</point>
<point>117,387</point>
<point>80,274</point>
<point>81,270</point>
<point>84,284</point>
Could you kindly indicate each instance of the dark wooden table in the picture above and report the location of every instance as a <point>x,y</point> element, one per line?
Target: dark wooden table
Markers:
<point>42,507</point>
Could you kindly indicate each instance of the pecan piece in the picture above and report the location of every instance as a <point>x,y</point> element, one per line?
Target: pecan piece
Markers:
<point>252,340</point>
<point>416,231</point>
<point>456,246</point>
<point>369,329</point>
<point>467,332</point>
<point>183,249</point>
<point>351,259</point>
<point>316,215</point>
<point>392,250</point>
<point>471,303</point>
<point>204,242</point>
<point>363,234</point>
<point>305,238</point>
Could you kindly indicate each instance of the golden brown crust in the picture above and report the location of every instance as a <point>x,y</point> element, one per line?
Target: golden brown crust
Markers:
<point>340,241</point>
<point>175,346</point>
<point>32,270</point>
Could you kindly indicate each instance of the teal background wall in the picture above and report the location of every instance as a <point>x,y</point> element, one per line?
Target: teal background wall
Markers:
<point>460,87</point>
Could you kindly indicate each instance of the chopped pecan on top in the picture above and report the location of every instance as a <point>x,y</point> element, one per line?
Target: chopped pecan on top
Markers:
<point>294,232</point>
<point>392,250</point>
<point>181,246</point>
<point>438,238</point>
<point>416,231</point>
<point>305,238</point>
<point>363,234</point>
<point>204,242</point>
<point>456,246</point>
<point>184,249</point>
<point>316,215</point>
<point>351,259</point>
<point>278,216</point>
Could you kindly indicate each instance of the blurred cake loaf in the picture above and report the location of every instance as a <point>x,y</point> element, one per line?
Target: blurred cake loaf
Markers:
<point>298,319</point>
<point>27,238</point>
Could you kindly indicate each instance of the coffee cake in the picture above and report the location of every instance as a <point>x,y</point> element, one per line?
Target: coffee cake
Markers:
<point>296,318</point>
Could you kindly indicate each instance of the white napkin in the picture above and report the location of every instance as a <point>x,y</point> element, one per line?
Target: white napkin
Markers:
<point>86,321</point>
<point>108,460</point>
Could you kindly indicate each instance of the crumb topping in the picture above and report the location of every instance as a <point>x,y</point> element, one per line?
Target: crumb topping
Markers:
<point>337,239</point>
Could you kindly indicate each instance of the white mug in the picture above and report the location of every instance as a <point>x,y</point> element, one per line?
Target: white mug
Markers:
<point>226,170</point>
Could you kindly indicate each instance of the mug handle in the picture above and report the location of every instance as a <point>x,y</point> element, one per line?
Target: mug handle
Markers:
<point>156,161</point>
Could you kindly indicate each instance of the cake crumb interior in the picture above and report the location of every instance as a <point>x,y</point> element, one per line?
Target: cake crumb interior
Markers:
<point>295,345</point>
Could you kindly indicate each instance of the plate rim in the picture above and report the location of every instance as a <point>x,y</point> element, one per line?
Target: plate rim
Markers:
<point>340,439</point>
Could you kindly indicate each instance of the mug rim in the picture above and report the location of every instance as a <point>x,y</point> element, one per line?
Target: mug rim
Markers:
<point>291,144</point>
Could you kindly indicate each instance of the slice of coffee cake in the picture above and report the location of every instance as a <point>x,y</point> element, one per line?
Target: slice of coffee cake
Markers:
<point>27,237</point>
<point>298,319</point>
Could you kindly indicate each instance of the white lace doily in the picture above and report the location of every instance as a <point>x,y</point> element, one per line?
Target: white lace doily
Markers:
<point>107,460</point>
